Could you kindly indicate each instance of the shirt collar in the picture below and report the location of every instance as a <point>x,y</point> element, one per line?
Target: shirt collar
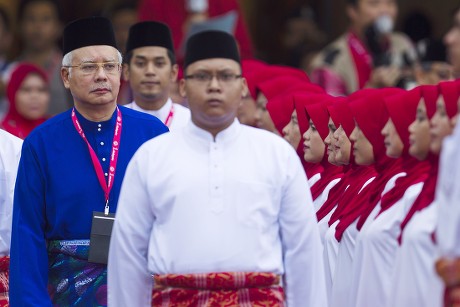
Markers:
<point>90,126</point>
<point>224,136</point>
<point>161,114</point>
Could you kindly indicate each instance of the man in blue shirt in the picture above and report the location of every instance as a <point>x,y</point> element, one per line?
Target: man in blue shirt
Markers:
<point>71,167</point>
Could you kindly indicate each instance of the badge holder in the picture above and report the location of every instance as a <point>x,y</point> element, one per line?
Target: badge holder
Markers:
<point>101,230</point>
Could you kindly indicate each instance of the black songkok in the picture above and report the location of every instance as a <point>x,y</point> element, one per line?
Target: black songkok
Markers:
<point>149,33</point>
<point>211,44</point>
<point>91,31</point>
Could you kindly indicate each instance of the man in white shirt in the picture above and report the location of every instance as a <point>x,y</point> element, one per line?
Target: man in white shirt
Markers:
<point>10,152</point>
<point>151,70</point>
<point>217,211</point>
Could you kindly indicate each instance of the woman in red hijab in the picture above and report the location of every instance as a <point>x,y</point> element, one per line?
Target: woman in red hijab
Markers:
<point>314,132</point>
<point>415,281</point>
<point>28,96</point>
<point>355,178</point>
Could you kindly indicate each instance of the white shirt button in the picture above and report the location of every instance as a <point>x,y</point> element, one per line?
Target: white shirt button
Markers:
<point>106,174</point>
<point>103,159</point>
<point>99,125</point>
<point>102,143</point>
<point>98,129</point>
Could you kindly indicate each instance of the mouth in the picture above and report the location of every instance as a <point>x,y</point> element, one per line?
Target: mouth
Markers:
<point>150,83</point>
<point>306,147</point>
<point>214,102</point>
<point>387,144</point>
<point>101,90</point>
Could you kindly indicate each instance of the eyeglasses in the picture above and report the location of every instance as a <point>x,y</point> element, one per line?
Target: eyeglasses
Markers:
<point>91,68</point>
<point>206,77</point>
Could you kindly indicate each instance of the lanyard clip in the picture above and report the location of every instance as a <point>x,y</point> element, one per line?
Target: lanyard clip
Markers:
<point>106,208</point>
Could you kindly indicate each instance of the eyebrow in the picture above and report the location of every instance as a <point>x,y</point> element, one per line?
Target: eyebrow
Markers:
<point>143,57</point>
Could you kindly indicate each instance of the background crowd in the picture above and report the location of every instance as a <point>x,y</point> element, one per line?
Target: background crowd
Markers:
<point>371,113</point>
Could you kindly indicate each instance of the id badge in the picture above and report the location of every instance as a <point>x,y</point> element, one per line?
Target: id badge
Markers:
<point>101,230</point>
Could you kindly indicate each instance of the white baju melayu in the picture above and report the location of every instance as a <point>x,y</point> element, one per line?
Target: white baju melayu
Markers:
<point>180,118</point>
<point>314,179</point>
<point>375,252</point>
<point>193,204</point>
<point>320,200</point>
<point>415,282</point>
<point>448,197</point>
<point>331,249</point>
<point>10,152</point>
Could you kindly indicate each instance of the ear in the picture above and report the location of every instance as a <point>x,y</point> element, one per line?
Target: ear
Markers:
<point>182,91</point>
<point>65,76</point>
<point>174,72</point>
<point>125,72</point>
<point>245,88</point>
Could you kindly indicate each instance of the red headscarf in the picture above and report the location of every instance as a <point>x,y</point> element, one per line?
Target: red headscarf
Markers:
<point>355,176</point>
<point>257,72</point>
<point>426,196</point>
<point>280,108</point>
<point>14,122</point>
<point>450,93</point>
<point>386,167</point>
<point>319,116</point>
<point>402,109</point>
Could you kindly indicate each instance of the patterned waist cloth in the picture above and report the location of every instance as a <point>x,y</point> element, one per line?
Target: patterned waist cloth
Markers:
<point>4,281</point>
<point>218,289</point>
<point>73,281</point>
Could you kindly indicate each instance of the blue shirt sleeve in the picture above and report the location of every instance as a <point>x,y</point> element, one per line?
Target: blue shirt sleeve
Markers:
<point>28,256</point>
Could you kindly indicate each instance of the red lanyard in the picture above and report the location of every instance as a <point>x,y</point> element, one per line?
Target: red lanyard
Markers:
<point>170,116</point>
<point>362,59</point>
<point>113,157</point>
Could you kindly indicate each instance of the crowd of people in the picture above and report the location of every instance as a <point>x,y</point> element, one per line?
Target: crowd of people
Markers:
<point>224,180</point>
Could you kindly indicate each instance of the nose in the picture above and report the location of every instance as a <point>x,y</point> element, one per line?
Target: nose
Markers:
<point>150,68</point>
<point>214,83</point>
<point>100,73</point>
<point>286,130</point>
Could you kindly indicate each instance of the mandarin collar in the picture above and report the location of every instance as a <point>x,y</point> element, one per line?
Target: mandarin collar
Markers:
<point>227,135</point>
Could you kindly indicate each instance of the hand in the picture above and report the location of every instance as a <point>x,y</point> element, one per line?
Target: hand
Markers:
<point>384,76</point>
<point>449,271</point>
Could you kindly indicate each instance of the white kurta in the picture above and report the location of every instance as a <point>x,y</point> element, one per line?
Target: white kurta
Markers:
<point>180,118</point>
<point>191,204</point>
<point>314,179</point>
<point>321,199</point>
<point>448,197</point>
<point>331,248</point>
<point>340,293</point>
<point>10,152</point>
<point>415,282</point>
<point>375,252</point>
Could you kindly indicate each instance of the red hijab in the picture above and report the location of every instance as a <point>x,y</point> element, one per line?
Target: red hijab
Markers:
<point>257,72</point>
<point>385,166</point>
<point>450,93</point>
<point>14,122</point>
<point>402,109</point>
<point>354,177</point>
<point>426,196</point>
<point>319,116</point>
<point>280,108</point>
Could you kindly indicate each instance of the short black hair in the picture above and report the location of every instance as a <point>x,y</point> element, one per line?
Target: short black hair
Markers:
<point>128,56</point>
<point>25,3</point>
